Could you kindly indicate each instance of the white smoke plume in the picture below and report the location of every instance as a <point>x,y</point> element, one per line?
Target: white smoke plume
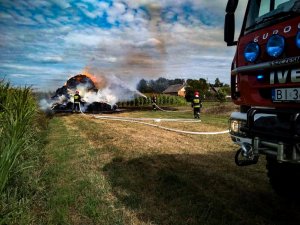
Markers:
<point>114,91</point>
<point>141,59</point>
<point>92,89</point>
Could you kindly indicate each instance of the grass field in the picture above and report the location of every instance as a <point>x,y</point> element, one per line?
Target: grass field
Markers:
<point>111,172</point>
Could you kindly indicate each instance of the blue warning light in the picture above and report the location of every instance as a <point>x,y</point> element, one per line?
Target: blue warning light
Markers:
<point>260,77</point>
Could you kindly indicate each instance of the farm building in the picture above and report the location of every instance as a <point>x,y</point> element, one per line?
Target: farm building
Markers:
<point>213,90</point>
<point>176,89</point>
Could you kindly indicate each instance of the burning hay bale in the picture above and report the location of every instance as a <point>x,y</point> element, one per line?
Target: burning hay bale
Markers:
<point>63,98</point>
<point>98,94</point>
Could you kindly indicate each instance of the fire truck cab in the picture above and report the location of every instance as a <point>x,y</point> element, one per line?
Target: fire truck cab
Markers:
<point>265,83</point>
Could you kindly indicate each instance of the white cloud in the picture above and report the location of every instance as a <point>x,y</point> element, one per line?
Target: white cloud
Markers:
<point>51,59</point>
<point>54,22</point>
<point>115,11</point>
<point>5,16</point>
<point>28,68</point>
<point>45,58</point>
<point>34,4</point>
<point>19,19</point>
<point>118,8</point>
<point>127,17</point>
<point>102,5</point>
<point>62,4</point>
<point>97,11</point>
<point>40,19</point>
<point>110,59</point>
<point>92,14</point>
<point>26,13</point>
<point>85,39</point>
<point>136,47</point>
<point>151,42</point>
<point>18,75</point>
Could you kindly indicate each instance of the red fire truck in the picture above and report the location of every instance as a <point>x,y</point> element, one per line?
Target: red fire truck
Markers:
<point>265,83</point>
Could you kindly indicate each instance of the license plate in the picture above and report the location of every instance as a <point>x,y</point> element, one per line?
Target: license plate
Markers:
<point>286,95</point>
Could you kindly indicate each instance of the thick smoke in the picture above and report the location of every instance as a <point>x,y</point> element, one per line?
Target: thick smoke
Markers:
<point>142,59</point>
<point>142,53</point>
<point>93,89</point>
<point>114,91</point>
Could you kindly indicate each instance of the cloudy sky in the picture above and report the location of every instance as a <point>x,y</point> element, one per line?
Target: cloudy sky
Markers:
<point>42,43</point>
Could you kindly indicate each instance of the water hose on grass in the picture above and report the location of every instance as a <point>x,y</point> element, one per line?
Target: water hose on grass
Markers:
<point>170,110</point>
<point>162,127</point>
<point>140,121</point>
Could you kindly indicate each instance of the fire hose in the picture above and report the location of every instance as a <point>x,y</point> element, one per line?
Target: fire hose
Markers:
<point>150,119</point>
<point>140,121</point>
<point>170,110</point>
<point>161,127</point>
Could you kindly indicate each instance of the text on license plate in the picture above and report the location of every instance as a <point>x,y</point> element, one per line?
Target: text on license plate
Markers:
<point>286,94</point>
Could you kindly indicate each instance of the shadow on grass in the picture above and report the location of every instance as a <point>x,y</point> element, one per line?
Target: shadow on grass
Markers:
<point>197,189</point>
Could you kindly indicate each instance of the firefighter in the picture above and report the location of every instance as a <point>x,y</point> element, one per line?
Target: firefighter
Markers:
<point>153,101</point>
<point>77,101</point>
<point>196,104</point>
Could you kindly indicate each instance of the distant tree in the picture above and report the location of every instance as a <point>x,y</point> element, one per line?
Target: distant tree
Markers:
<point>145,86</point>
<point>142,86</point>
<point>158,85</point>
<point>189,93</point>
<point>226,89</point>
<point>176,81</point>
<point>218,83</point>
<point>152,85</point>
<point>161,84</point>
<point>203,85</point>
<point>196,85</point>
<point>221,95</point>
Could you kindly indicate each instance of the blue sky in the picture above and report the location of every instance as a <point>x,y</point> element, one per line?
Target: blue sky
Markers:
<point>43,43</point>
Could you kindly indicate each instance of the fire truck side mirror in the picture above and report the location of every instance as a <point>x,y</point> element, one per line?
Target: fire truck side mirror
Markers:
<point>229,28</point>
<point>231,6</point>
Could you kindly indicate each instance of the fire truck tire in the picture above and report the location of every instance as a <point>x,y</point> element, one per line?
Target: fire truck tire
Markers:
<point>284,178</point>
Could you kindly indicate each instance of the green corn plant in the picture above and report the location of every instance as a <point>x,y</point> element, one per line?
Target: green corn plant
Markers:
<point>17,110</point>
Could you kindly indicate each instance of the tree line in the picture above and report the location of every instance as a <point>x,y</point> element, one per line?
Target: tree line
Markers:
<point>158,85</point>
<point>201,85</point>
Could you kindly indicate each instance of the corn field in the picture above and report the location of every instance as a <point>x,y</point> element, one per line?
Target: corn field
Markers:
<point>17,111</point>
<point>162,100</point>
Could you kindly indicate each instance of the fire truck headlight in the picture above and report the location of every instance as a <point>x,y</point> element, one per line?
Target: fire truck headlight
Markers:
<point>251,52</point>
<point>234,126</point>
<point>275,45</point>
<point>298,39</point>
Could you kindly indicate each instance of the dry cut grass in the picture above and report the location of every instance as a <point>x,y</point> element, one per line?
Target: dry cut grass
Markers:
<point>112,172</point>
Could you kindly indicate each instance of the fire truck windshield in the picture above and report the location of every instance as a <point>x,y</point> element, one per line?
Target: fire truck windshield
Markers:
<point>264,13</point>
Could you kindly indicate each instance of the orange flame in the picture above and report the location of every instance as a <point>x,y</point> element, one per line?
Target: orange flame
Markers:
<point>86,71</point>
<point>99,81</point>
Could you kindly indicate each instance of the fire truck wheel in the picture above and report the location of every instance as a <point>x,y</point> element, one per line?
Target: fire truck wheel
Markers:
<point>284,178</point>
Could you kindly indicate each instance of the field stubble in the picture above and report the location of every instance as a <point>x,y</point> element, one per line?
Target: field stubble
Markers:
<point>112,172</point>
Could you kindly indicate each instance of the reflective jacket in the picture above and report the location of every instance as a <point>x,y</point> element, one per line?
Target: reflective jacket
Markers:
<point>77,98</point>
<point>196,103</point>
